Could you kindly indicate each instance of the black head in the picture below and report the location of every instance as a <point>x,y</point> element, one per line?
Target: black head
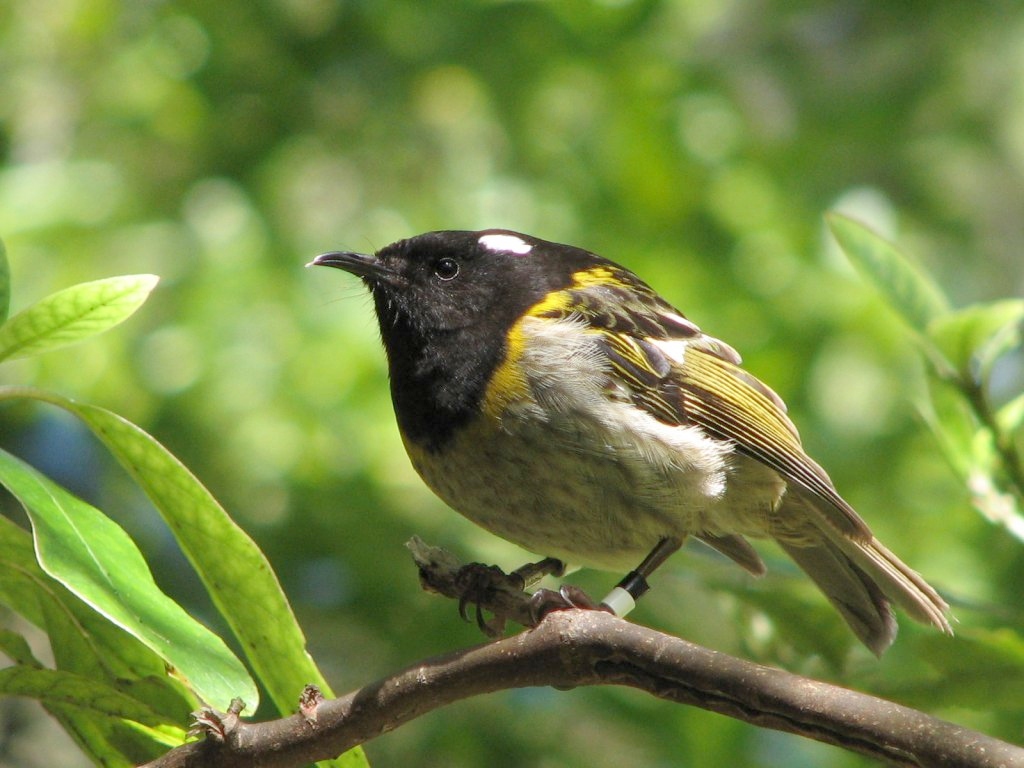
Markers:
<point>446,281</point>
<point>445,302</point>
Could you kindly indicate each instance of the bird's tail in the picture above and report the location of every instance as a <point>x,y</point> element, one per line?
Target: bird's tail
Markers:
<point>859,577</point>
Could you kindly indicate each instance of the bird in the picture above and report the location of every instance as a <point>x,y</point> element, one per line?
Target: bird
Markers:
<point>554,398</point>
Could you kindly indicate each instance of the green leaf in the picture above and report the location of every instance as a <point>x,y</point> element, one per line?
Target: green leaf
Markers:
<point>5,283</point>
<point>236,573</point>
<point>20,589</point>
<point>908,290</point>
<point>238,576</point>
<point>948,414</point>
<point>73,314</point>
<point>15,647</point>
<point>111,742</point>
<point>54,686</point>
<point>166,736</point>
<point>93,557</point>
<point>81,639</point>
<point>972,338</point>
<point>971,452</point>
<point>1010,417</point>
<point>86,643</point>
<point>95,735</point>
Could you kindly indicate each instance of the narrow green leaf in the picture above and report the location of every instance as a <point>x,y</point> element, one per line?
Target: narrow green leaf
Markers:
<point>5,283</point>
<point>73,314</point>
<point>908,290</point>
<point>1011,416</point>
<point>236,573</point>
<point>15,647</point>
<point>95,735</point>
<point>81,639</point>
<point>54,686</point>
<point>88,645</point>
<point>110,741</point>
<point>972,338</point>
<point>93,557</point>
<point>19,589</point>
<point>240,579</point>
<point>954,425</point>
<point>87,642</point>
<point>166,736</point>
<point>84,642</point>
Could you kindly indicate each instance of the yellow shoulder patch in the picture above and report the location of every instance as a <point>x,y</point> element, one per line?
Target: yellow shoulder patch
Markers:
<point>508,382</point>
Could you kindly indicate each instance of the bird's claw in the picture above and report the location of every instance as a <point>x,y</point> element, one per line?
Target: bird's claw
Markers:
<point>568,597</point>
<point>477,583</point>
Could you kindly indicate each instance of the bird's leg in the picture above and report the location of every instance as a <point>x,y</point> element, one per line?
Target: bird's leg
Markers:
<point>622,599</point>
<point>479,584</point>
<point>531,573</point>
<point>619,601</point>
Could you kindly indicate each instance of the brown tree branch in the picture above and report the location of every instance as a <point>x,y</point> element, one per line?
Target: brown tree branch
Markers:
<point>576,648</point>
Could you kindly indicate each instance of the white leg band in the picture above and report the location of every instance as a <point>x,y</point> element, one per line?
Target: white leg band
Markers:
<point>619,601</point>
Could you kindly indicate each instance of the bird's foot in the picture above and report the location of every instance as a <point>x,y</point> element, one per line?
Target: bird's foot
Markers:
<point>568,597</point>
<point>479,585</point>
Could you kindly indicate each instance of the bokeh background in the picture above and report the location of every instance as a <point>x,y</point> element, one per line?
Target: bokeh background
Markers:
<point>222,145</point>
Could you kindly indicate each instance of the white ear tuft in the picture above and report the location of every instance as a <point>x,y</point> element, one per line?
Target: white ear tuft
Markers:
<point>508,243</point>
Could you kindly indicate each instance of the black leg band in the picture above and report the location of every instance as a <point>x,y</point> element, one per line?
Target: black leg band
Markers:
<point>635,584</point>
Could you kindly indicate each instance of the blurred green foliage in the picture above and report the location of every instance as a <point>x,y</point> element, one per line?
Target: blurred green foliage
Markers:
<point>221,146</point>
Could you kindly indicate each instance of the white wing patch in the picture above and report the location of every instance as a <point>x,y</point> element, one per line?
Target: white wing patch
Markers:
<point>507,243</point>
<point>673,349</point>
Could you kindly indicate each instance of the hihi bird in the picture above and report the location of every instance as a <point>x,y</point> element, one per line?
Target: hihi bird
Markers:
<point>552,397</point>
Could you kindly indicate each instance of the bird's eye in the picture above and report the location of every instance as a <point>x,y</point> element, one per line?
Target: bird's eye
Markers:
<point>446,269</point>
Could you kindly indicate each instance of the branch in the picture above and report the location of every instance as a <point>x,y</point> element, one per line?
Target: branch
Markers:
<point>576,648</point>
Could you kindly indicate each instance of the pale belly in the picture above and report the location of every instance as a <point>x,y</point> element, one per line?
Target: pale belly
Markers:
<point>590,496</point>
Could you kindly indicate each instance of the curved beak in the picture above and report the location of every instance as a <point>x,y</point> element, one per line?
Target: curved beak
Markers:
<point>369,267</point>
<point>359,264</point>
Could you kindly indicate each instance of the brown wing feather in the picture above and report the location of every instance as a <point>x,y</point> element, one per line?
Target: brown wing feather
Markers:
<point>705,385</point>
<point>662,363</point>
<point>721,397</point>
